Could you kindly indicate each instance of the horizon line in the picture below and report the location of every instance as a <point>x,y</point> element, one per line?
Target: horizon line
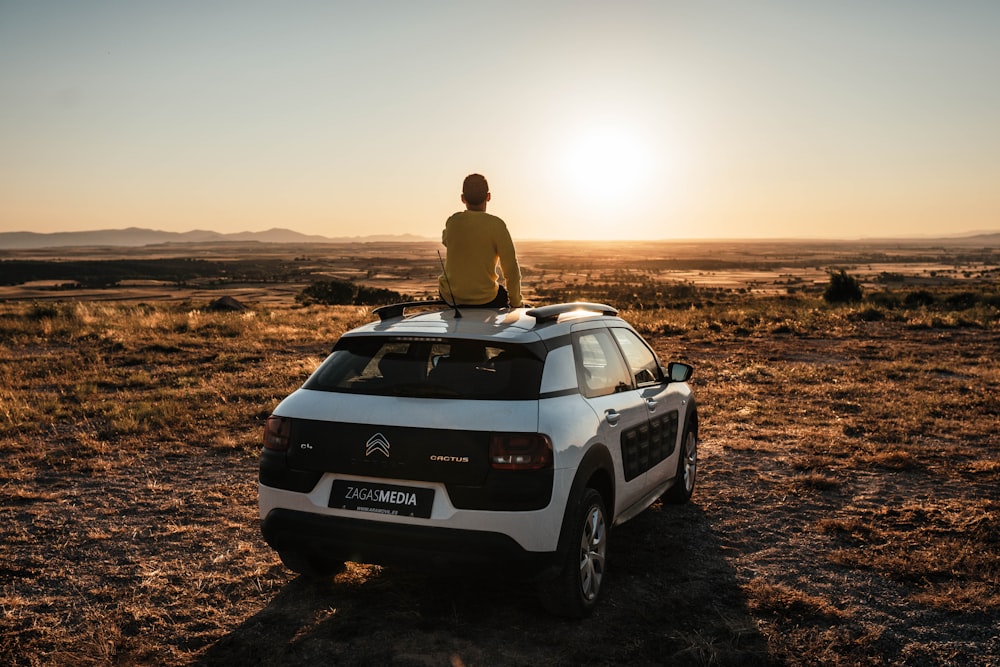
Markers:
<point>385,237</point>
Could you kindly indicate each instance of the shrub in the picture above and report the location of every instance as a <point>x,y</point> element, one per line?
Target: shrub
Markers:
<point>884,299</point>
<point>842,288</point>
<point>41,311</point>
<point>376,296</point>
<point>919,298</point>
<point>963,300</point>
<point>890,277</point>
<point>868,315</point>
<point>328,292</point>
<point>345,293</point>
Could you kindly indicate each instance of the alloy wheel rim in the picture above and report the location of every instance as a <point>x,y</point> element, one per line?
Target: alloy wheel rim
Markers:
<point>593,546</point>
<point>690,461</point>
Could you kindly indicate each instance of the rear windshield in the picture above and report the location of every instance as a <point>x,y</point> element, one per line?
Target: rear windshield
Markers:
<point>430,368</point>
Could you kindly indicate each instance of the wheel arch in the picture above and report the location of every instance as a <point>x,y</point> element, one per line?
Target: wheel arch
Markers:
<point>595,471</point>
<point>691,417</point>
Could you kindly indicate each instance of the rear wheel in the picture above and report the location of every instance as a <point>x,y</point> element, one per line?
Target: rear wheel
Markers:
<point>687,469</point>
<point>309,565</point>
<point>575,590</point>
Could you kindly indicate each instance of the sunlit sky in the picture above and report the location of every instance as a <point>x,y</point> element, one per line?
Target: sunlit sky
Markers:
<point>591,120</point>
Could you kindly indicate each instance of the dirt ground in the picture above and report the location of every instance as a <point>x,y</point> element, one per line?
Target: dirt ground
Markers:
<point>846,513</point>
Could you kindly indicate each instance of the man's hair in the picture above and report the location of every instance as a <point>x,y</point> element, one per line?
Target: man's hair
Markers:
<point>474,189</point>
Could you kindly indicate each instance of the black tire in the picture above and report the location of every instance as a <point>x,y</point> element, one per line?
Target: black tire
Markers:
<point>687,469</point>
<point>574,592</point>
<point>309,565</point>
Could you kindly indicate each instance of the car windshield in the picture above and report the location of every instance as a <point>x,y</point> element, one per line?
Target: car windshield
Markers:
<point>436,368</point>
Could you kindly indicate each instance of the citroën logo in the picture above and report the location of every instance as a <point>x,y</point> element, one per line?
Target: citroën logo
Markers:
<point>377,443</point>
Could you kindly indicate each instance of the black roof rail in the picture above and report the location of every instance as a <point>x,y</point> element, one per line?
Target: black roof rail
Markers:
<point>552,313</point>
<point>397,309</point>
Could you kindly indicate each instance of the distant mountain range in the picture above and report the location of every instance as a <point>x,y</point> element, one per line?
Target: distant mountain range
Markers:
<point>984,238</point>
<point>134,237</point>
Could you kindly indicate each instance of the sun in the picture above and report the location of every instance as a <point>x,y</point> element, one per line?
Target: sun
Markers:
<point>612,176</point>
<point>606,165</point>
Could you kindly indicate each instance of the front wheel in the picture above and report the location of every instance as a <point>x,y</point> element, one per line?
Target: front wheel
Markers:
<point>687,469</point>
<point>575,590</point>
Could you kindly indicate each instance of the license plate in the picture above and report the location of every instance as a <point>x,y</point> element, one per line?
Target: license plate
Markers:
<point>382,498</point>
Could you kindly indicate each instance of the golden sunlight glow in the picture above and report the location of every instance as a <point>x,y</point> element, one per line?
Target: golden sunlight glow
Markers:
<point>606,165</point>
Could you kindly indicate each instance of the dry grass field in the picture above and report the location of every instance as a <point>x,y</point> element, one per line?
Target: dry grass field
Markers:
<point>846,511</point>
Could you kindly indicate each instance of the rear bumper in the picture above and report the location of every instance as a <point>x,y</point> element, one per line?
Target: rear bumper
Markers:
<point>411,546</point>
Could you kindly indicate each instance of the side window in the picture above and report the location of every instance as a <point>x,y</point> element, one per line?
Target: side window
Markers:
<point>599,365</point>
<point>642,361</point>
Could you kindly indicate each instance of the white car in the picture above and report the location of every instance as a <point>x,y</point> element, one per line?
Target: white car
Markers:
<point>509,439</point>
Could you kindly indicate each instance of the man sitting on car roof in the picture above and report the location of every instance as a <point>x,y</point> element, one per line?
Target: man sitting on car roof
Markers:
<point>477,243</point>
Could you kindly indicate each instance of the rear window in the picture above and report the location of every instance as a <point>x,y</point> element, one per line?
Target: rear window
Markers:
<point>423,367</point>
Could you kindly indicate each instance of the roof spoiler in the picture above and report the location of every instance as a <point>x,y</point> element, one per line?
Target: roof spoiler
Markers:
<point>397,309</point>
<point>552,313</point>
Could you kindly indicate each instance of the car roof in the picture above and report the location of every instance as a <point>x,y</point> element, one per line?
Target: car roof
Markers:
<point>512,324</point>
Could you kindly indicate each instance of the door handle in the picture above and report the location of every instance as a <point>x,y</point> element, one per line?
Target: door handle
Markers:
<point>612,417</point>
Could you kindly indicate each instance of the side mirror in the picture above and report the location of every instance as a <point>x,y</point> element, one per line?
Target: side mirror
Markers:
<point>678,372</point>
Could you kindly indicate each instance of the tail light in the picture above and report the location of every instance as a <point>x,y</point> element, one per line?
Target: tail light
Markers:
<point>520,451</point>
<point>277,433</point>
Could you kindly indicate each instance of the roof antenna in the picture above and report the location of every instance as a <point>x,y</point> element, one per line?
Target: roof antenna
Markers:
<point>454,303</point>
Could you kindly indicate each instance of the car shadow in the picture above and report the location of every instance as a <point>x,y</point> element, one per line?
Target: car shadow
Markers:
<point>669,597</point>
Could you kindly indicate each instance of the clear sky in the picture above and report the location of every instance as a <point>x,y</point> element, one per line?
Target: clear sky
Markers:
<point>630,120</point>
